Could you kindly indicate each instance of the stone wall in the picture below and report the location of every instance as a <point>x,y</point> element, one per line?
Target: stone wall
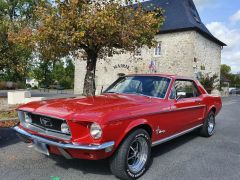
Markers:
<point>208,57</point>
<point>179,50</point>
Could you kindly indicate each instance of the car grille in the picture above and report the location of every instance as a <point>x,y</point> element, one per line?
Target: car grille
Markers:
<point>47,123</point>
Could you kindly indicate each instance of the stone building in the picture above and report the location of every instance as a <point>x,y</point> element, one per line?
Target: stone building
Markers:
<point>185,47</point>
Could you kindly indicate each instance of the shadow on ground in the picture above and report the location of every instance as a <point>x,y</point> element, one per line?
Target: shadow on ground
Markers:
<point>8,137</point>
<point>102,166</point>
<point>85,166</point>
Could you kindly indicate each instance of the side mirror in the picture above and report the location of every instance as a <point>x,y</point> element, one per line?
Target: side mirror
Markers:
<point>101,89</point>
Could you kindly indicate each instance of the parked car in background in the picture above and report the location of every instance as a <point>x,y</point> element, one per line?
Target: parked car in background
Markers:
<point>134,114</point>
<point>235,92</point>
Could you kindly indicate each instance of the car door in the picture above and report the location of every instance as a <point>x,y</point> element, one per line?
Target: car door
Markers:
<point>187,107</point>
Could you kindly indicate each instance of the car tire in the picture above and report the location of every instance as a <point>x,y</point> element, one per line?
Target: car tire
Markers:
<point>131,159</point>
<point>208,128</point>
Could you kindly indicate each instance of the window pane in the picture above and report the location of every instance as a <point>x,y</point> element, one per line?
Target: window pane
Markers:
<point>144,85</point>
<point>157,50</point>
<point>186,89</point>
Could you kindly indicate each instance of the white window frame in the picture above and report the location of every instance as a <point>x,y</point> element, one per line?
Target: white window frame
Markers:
<point>158,49</point>
<point>138,52</point>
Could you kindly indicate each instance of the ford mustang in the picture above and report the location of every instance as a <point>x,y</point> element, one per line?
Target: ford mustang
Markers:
<point>132,115</point>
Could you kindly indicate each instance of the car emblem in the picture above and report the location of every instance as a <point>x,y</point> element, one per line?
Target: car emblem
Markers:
<point>46,122</point>
<point>159,131</point>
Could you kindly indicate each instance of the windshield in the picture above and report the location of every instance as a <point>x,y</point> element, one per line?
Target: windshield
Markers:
<point>154,86</point>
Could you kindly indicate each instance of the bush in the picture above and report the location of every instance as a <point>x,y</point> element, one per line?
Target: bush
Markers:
<point>2,85</point>
<point>28,86</point>
<point>35,87</point>
<point>209,82</point>
<point>20,85</point>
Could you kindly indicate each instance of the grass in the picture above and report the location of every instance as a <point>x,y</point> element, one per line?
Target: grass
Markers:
<point>8,124</point>
<point>8,114</point>
<point>4,115</point>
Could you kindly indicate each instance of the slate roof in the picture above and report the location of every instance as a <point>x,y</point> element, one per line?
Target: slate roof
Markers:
<point>181,15</point>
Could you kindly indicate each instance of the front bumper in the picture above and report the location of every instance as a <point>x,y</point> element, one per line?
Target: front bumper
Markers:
<point>107,147</point>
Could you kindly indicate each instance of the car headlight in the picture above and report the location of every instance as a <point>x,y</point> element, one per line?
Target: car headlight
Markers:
<point>27,118</point>
<point>21,116</point>
<point>96,131</point>
<point>65,128</point>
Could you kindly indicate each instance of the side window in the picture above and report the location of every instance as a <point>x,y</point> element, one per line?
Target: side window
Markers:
<point>184,89</point>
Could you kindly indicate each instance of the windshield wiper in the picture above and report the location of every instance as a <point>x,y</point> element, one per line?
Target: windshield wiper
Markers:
<point>111,92</point>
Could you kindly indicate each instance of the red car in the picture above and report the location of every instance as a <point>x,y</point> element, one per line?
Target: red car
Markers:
<point>134,114</point>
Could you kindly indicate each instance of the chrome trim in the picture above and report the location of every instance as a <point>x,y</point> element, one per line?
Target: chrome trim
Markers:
<point>91,147</point>
<point>54,117</point>
<point>45,131</point>
<point>155,143</point>
<point>186,108</point>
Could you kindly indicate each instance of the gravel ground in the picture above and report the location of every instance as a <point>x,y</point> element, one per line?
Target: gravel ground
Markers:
<point>186,158</point>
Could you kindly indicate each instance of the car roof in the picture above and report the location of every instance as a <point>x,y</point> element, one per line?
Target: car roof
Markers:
<point>163,75</point>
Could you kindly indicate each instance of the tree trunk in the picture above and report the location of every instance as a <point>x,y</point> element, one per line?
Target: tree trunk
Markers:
<point>89,81</point>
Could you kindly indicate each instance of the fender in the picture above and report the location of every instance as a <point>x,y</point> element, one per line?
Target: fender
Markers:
<point>209,109</point>
<point>133,124</point>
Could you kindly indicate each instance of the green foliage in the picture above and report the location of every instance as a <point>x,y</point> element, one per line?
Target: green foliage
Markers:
<point>42,72</point>
<point>95,28</point>
<point>225,69</point>
<point>15,59</point>
<point>234,79</point>
<point>54,73</point>
<point>209,82</point>
<point>64,75</point>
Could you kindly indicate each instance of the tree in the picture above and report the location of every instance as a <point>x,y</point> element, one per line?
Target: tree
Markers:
<point>14,57</point>
<point>225,70</point>
<point>233,78</point>
<point>58,73</point>
<point>91,28</point>
<point>63,73</point>
<point>42,72</point>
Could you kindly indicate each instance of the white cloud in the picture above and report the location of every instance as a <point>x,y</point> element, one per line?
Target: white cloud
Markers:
<point>230,36</point>
<point>235,17</point>
<point>232,58</point>
<point>202,4</point>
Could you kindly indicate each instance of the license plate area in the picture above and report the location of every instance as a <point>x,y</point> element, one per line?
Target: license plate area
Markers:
<point>40,147</point>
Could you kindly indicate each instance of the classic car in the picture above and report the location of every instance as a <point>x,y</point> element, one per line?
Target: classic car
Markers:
<point>132,115</point>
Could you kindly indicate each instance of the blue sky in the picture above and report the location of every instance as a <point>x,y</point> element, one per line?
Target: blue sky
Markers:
<point>222,18</point>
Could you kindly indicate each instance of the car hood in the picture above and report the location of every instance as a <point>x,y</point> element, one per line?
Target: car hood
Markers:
<point>97,108</point>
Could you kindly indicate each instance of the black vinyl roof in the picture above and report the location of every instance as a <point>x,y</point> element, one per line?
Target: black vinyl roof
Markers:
<point>180,15</point>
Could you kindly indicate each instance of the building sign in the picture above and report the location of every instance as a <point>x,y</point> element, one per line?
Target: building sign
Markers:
<point>124,66</point>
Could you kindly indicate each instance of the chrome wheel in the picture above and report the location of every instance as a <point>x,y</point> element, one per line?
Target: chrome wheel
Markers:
<point>137,155</point>
<point>211,124</point>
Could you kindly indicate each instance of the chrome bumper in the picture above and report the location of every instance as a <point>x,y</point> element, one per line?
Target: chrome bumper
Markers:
<point>92,147</point>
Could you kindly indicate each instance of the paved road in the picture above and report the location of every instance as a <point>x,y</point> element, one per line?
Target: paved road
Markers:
<point>187,158</point>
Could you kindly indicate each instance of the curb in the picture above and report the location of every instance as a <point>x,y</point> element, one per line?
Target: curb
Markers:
<point>9,119</point>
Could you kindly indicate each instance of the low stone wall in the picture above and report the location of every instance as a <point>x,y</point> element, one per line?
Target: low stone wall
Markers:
<point>22,97</point>
<point>3,103</point>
